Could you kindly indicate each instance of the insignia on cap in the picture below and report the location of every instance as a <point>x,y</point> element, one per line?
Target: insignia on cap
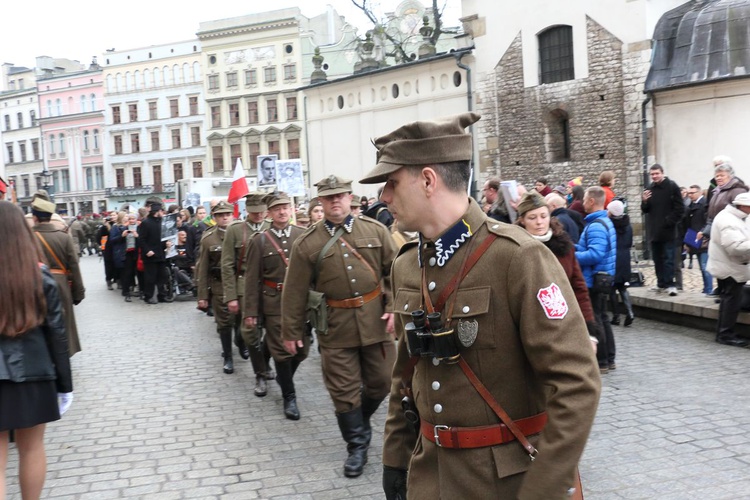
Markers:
<point>332,181</point>
<point>552,301</point>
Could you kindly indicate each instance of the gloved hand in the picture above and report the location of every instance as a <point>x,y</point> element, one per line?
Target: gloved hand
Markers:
<point>594,333</point>
<point>394,483</point>
<point>76,302</point>
<point>64,400</point>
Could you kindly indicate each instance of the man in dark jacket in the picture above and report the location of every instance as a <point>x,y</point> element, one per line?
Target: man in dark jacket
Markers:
<point>695,219</point>
<point>152,253</point>
<point>663,206</point>
<point>556,204</point>
<point>379,211</point>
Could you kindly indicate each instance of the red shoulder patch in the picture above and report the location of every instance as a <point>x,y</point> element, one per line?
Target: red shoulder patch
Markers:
<point>552,301</point>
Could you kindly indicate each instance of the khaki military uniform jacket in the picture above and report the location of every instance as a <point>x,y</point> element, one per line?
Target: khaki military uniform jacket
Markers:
<point>233,271</point>
<point>62,245</point>
<point>208,268</point>
<point>341,276</point>
<point>528,361</point>
<point>264,263</point>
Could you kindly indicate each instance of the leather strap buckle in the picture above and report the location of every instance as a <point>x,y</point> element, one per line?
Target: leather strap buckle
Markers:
<point>437,430</point>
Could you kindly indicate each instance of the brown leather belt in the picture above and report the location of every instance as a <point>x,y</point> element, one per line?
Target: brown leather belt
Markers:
<point>58,271</point>
<point>355,302</point>
<point>272,284</point>
<point>480,437</point>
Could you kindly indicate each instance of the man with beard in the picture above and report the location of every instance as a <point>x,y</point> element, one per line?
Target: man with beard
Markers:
<point>267,261</point>
<point>209,277</point>
<point>347,259</point>
<point>234,268</point>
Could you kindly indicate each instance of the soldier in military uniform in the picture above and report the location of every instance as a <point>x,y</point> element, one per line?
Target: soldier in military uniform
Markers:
<point>208,270</point>
<point>233,271</point>
<point>267,261</point>
<point>501,384</point>
<point>62,258</point>
<point>357,351</point>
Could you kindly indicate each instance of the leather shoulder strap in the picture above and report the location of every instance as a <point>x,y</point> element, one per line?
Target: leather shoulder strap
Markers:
<point>60,265</point>
<point>277,247</point>
<point>322,253</point>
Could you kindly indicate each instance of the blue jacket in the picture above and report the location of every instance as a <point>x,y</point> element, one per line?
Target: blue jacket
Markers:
<point>596,250</point>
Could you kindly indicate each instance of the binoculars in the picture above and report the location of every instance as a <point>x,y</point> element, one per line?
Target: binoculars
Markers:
<point>427,337</point>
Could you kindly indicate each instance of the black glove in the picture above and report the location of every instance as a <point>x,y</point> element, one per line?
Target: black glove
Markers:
<point>76,302</point>
<point>394,483</point>
<point>593,328</point>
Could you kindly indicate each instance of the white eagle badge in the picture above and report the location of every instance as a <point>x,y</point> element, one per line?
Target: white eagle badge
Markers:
<point>553,302</point>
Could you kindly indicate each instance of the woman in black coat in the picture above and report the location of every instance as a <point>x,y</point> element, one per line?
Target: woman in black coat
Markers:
<point>624,231</point>
<point>34,362</point>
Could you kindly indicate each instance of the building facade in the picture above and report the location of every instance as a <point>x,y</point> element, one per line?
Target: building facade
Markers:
<point>72,127</point>
<point>155,121</point>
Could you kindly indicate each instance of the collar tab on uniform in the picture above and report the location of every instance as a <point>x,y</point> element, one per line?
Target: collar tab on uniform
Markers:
<point>446,245</point>
<point>347,225</point>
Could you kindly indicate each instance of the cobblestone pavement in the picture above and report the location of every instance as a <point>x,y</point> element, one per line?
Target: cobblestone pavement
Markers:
<point>155,417</point>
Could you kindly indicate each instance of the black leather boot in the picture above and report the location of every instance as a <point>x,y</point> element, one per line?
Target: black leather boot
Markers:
<point>241,347</point>
<point>259,368</point>
<point>225,335</point>
<point>352,428</point>
<point>629,317</point>
<point>369,406</point>
<point>286,382</point>
<point>270,375</point>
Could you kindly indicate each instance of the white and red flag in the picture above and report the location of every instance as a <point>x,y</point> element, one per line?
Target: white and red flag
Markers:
<point>239,187</point>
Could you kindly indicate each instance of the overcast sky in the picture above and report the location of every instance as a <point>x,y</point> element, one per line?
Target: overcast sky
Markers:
<point>80,29</point>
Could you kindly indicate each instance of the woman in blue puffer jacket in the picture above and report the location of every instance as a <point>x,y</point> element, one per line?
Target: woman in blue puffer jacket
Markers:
<point>35,381</point>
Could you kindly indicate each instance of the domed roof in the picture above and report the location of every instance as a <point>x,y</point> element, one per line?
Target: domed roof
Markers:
<point>701,41</point>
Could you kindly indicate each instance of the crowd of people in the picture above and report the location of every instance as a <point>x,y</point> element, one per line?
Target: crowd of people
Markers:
<point>410,297</point>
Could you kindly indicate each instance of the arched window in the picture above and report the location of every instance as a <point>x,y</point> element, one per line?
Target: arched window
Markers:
<point>196,72</point>
<point>49,107</point>
<point>110,83</point>
<point>157,77</point>
<point>96,139</point>
<point>83,104</point>
<point>167,76</point>
<point>186,73</point>
<point>93,102</point>
<point>176,74</point>
<point>138,83</point>
<point>52,144</point>
<point>147,78</point>
<point>58,104</point>
<point>62,144</point>
<point>556,54</point>
<point>85,140</point>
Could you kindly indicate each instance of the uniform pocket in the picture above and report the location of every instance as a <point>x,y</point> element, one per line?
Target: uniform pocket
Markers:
<point>472,310</point>
<point>362,243</point>
<point>512,458</point>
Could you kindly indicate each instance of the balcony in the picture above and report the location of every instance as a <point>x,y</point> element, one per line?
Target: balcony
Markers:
<point>130,190</point>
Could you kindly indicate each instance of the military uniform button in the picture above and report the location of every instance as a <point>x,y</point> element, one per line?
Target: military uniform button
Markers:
<point>431,286</point>
<point>438,408</point>
<point>356,294</point>
<point>286,250</point>
<point>435,385</point>
<point>466,309</point>
<point>354,280</point>
<point>406,307</point>
<point>433,261</point>
<point>284,242</point>
<point>369,245</point>
<point>346,255</point>
<point>435,361</point>
<point>343,244</point>
<point>349,268</point>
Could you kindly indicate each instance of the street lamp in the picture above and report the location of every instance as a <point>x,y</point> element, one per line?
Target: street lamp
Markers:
<point>47,183</point>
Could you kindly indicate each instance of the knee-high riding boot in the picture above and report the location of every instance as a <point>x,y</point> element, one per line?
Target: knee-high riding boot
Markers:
<point>352,429</point>
<point>225,335</point>
<point>259,368</point>
<point>284,377</point>
<point>628,307</point>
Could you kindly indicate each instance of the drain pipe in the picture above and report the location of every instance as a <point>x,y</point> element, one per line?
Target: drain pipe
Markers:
<point>645,176</point>
<point>469,107</point>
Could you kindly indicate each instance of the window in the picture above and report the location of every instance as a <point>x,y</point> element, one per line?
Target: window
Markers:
<point>273,112</point>
<point>273,147</point>
<point>235,151</point>
<point>83,104</point>
<point>7,122</point>
<point>32,116</point>
<point>291,108</point>
<point>174,108</point>
<point>137,180</point>
<point>65,180</point>
<point>96,140</point>
<point>217,153</point>
<point>93,102</point>
<point>133,112</point>
<point>120,177</point>
<point>254,149</point>
<point>90,179</point>
<point>556,54</point>
<point>177,169</point>
<point>35,149</point>
<point>292,147</point>
<point>20,120</point>
<point>152,112</point>
<point>135,143</point>
<point>62,144</point>
<point>157,178</point>
<point>52,144</point>
<point>22,150</point>
<point>176,143</point>
<point>99,177</point>
<point>193,106</point>
<point>213,82</point>
<point>195,136</point>
<point>26,186</point>
<point>155,140</point>
<point>197,169</point>
<point>116,114</point>
<point>557,136</point>
<point>232,79</point>
<point>234,114</point>
<point>216,116</point>
<point>269,74</point>
<point>290,72</point>
<point>251,77</point>
<point>9,147</point>
<point>118,144</point>
<point>49,107</point>
<point>252,112</point>
<point>58,105</point>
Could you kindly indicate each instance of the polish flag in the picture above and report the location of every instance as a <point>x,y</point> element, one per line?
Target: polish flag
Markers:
<point>239,187</point>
